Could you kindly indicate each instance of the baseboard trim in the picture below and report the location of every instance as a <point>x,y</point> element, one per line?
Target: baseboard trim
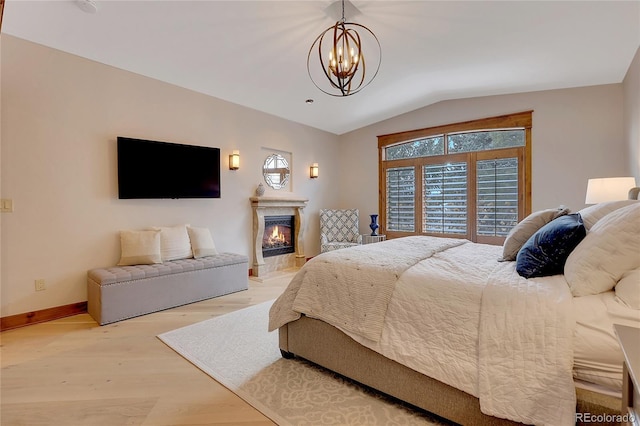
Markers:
<point>44,315</point>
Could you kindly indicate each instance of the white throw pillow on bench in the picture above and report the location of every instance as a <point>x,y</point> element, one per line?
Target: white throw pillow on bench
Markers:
<point>201,242</point>
<point>174,242</point>
<point>139,248</point>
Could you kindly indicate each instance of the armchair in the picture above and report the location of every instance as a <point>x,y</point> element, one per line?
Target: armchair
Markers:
<point>339,229</point>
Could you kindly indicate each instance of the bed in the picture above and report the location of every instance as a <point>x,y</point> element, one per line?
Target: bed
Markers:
<point>443,325</point>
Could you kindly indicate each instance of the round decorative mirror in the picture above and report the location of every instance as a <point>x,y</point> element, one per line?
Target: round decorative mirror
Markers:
<point>276,171</point>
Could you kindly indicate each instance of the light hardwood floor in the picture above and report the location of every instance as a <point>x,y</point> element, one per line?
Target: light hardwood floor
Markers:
<point>72,372</point>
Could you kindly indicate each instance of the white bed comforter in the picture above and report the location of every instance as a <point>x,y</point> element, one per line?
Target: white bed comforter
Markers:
<point>471,322</point>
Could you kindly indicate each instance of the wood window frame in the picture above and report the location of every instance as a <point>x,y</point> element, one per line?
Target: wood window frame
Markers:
<point>517,120</point>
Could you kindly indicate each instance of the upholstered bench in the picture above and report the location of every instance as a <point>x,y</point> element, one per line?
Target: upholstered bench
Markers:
<point>122,292</point>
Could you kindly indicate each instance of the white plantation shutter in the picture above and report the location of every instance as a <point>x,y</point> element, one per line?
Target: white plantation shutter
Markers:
<point>401,183</point>
<point>445,198</point>
<point>497,196</point>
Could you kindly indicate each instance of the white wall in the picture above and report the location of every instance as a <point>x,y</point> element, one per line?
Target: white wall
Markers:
<point>61,115</point>
<point>577,134</point>
<point>631,85</point>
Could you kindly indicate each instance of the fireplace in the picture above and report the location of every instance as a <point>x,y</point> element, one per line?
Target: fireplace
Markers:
<point>278,237</point>
<point>281,249</point>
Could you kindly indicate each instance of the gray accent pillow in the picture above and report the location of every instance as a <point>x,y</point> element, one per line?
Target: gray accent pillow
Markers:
<point>528,226</point>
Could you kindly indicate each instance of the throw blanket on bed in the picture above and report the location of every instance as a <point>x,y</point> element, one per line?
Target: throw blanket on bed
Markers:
<point>526,348</point>
<point>351,288</point>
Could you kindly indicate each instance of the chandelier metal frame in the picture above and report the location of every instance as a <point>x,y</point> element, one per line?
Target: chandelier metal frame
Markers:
<point>346,67</point>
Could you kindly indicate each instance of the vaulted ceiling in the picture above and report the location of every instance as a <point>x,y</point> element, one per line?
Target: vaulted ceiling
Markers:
<point>254,53</point>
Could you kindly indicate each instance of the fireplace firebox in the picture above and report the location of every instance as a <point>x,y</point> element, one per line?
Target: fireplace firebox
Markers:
<point>278,237</point>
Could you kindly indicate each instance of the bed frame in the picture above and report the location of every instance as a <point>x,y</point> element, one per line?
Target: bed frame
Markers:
<point>325,345</point>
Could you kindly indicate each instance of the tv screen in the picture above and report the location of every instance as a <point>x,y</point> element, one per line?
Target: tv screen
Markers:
<point>149,169</point>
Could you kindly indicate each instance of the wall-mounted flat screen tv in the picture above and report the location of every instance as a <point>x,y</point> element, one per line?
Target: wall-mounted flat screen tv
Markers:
<point>150,169</point>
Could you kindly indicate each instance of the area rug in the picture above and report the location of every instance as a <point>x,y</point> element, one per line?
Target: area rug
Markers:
<point>236,350</point>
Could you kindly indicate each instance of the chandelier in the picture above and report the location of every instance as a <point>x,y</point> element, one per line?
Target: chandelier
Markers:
<point>344,70</point>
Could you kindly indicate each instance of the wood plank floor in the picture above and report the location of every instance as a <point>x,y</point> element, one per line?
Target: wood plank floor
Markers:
<point>72,372</point>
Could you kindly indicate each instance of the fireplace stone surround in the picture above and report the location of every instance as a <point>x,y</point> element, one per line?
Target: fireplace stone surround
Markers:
<point>277,206</point>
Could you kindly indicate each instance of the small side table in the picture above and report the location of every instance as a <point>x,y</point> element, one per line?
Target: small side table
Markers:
<point>368,239</point>
<point>629,338</point>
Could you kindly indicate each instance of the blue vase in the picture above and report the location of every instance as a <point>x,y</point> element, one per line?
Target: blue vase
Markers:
<point>374,225</point>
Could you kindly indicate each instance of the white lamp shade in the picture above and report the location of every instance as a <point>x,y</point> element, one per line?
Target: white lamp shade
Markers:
<point>608,189</point>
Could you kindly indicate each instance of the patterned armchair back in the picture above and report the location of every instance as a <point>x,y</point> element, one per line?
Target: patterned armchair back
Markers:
<point>340,225</point>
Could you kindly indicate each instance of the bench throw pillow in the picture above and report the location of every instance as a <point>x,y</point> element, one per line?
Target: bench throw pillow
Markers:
<point>139,248</point>
<point>201,242</point>
<point>528,226</point>
<point>174,242</point>
<point>546,252</point>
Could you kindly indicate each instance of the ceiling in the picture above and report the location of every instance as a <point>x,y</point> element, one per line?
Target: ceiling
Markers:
<point>254,53</point>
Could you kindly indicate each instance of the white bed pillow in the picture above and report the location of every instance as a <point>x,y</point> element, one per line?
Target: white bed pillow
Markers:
<point>608,251</point>
<point>139,248</point>
<point>201,242</point>
<point>528,226</point>
<point>592,214</point>
<point>628,289</point>
<point>174,242</point>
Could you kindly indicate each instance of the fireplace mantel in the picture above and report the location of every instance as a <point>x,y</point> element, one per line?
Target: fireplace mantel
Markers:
<point>276,206</point>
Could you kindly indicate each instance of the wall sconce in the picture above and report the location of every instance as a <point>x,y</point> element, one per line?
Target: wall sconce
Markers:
<point>608,189</point>
<point>234,160</point>
<point>313,171</point>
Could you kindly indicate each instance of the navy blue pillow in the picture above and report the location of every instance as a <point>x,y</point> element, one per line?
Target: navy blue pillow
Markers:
<point>546,252</point>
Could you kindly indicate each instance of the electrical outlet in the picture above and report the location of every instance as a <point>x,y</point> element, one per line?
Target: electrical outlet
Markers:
<point>40,285</point>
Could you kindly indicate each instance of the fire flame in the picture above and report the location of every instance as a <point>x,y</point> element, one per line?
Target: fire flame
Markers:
<point>276,233</point>
<point>276,236</point>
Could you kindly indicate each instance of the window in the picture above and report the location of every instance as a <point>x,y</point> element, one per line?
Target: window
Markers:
<point>467,180</point>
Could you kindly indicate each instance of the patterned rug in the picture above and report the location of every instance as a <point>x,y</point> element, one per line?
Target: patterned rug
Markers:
<point>237,351</point>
